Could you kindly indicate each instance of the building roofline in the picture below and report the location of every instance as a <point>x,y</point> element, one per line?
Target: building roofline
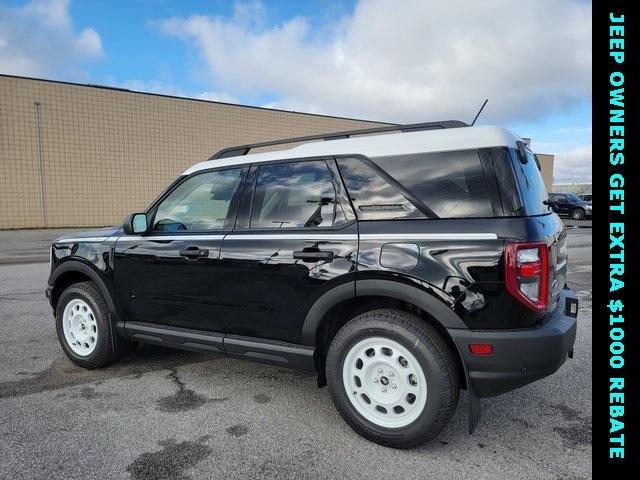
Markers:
<point>127,90</point>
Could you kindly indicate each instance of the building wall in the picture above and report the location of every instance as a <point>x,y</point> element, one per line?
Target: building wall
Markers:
<point>546,167</point>
<point>572,187</point>
<point>73,155</point>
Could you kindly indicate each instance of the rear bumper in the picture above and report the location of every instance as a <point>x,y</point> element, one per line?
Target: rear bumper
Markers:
<point>519,356</point>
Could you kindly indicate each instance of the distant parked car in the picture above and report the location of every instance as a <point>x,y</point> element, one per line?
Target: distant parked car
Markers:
<point>585,197</point>
<point>569,204</point>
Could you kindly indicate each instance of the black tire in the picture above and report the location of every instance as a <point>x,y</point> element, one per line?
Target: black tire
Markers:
<point>107,347</point>
<point>578,214</point>
<point>435,357</point>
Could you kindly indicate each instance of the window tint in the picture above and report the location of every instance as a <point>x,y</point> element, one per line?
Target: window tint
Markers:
<point>294,195</point>
<point>452,184</point>
<point>531,185</point>
<point>199,203</point>
<point>506,181</point>
<point>372,196</point>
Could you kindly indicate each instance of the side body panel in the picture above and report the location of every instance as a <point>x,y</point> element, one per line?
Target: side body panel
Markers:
<point>89,253</point>
<point>460,263</point>
<point>155,284</point>
<point>266,292</point>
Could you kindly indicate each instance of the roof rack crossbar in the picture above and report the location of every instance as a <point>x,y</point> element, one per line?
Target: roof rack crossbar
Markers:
<point>240,150</point>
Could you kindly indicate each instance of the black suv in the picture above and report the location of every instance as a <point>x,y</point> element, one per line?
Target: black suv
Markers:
<point>401,268</point>
<point>569,204</point>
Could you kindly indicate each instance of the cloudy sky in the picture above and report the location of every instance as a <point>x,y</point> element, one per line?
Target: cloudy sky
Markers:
<point>383,60</point>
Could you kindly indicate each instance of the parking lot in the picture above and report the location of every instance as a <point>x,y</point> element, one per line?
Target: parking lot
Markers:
<point>161,413</point>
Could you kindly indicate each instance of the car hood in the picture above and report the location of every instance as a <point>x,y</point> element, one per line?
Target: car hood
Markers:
<point>98,234</point>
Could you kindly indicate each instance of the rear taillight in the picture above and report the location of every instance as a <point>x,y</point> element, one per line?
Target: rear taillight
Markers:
<point>526,273</point>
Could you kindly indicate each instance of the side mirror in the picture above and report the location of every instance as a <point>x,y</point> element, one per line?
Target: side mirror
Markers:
<point>136,223</point>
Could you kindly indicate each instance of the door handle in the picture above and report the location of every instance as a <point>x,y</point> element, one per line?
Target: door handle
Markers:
<point>194,252</point>
<point>313,256</point>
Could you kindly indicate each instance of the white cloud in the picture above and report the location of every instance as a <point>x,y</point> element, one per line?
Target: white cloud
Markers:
<point>54,14</point>
<point>572,130</point>
<point>574,165</point>
<point>88,44</point>
<point>405,61</point>
<point>218,97</point>
<point>152,86</point>
<point>39,40</point>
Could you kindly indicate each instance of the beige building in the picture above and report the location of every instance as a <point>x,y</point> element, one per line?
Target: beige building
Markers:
<point>75,155</point>
<point>546,167</point>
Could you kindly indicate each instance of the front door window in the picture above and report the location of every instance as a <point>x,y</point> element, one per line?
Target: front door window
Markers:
<point>200,203</point>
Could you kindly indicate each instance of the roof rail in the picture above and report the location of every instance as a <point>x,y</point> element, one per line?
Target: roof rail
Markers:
<point>240,150</point>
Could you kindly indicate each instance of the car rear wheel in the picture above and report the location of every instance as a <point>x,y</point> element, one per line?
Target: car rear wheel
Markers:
<point>393,378</point>
<point>578,214</point>
<point>83,326</point>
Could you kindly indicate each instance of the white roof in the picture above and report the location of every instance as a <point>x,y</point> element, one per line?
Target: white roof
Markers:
<point>372,146</point>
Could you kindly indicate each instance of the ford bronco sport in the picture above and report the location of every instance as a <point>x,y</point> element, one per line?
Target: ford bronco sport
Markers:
<point>401,267</point>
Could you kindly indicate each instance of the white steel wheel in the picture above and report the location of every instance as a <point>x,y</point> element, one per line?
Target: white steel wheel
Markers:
<point>80,327</point>
<point>384,382</point>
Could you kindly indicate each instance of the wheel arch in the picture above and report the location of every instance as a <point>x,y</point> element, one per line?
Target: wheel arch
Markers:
<point>74,271</point>
<point>339,305</point>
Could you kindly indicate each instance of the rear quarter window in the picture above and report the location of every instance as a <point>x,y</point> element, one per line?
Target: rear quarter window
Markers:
<point>451,184</point>
<point>373,197</point>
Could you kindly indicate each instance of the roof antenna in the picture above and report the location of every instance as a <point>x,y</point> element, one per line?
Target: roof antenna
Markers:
<point>479,111</point>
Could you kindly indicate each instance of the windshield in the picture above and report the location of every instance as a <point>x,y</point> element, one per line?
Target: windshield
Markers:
<point>574,198</point>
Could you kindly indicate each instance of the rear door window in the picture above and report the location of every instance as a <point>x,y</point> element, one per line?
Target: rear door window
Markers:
<point>294,195</point>
<point>451,184</point>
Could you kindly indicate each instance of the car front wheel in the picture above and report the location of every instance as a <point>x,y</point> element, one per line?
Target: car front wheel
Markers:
<point>578,214</point>
<point>392,378</point>
<point>83,326</point>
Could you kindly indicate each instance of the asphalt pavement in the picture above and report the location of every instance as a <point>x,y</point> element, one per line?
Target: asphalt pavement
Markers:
<point>160,413</point>
<point>28,246</point>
